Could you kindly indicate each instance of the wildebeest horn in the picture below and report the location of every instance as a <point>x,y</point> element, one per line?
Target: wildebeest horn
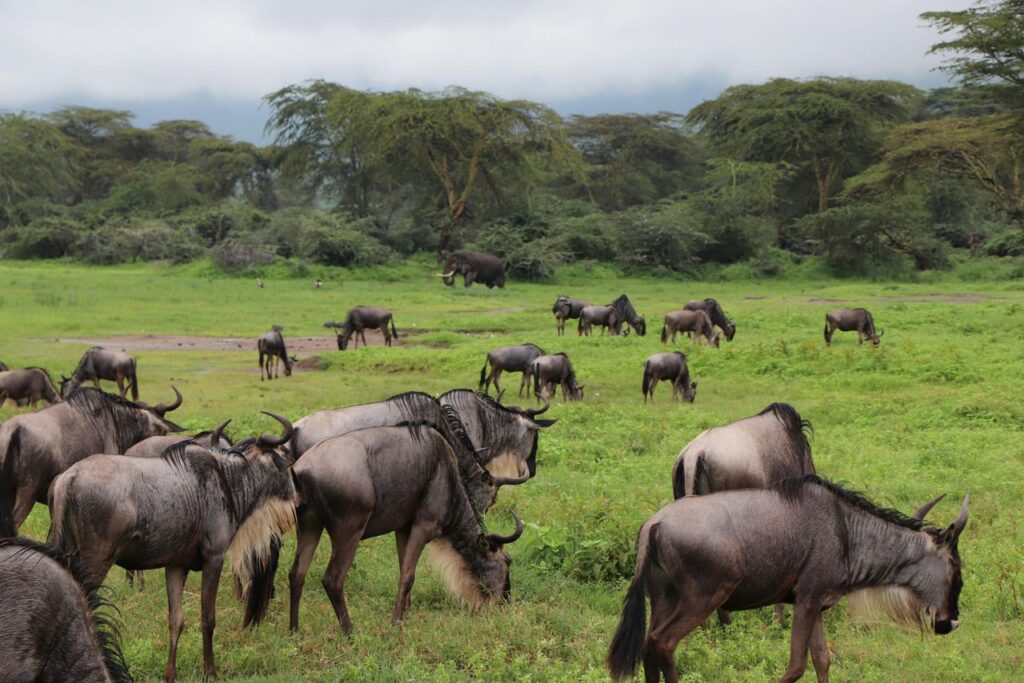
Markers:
<point>511,481</point>
<point>881,333</point>
<point>63,378</point>
<point>961,521</point>
<point>497,399</point>
<point>927,507</point>
<point>533,412</point>
<point>274,441</point>
<point>217,434</point>
<point>498,539</point>
<point>162,408</point>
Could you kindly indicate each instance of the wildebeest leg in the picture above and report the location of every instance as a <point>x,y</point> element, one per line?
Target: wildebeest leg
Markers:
<point>419,535</point>
<point>23,503</point>
<point>674,615</point>
<point>307,534</point>
<point>120,386</point>
<point>211,581</point>
<point>495,376</point>
<point>805,616</point>
<point>261,365</point>
<point>525,381</point>
<point>819,650</point>
<point>654,384</point>
<point>362,333</point>
<point>387,335</point>
<point>345,535</point>
<point>401,540</point>
<point>175,578</point>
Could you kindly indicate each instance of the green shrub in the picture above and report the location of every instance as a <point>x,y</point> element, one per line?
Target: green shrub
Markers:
<point>44,238</point>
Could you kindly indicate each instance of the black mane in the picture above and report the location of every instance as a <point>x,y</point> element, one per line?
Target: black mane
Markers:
<point>625,309</point>
<point>797,428</point>
<point>793,489</point>
<point>126,418</point>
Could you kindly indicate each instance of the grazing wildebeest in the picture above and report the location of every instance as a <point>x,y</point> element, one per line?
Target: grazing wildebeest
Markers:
<point>605,316</point>
<point>849,319</point>
<point>752,453</point>
<point>516,358</point>
<point>361,318</point>
<point>566,308</point>
<point>98,363</point>
<point>670,366</point>
<point>473,267</point>
<point>394,479</point>
<point>27,387</point>
<point>697,322</point>
<point>629,315</point>
<point>183,511</point>
<point>273,352</point>
<point>803,541</point>
<point>553,371</point>
<point>504,437</point>
<point>88,421</point>
<point>717,315</point>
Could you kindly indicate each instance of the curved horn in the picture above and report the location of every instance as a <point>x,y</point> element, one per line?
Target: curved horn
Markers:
<point>217,434</point>
<point>162,408</point>
<point>275,441</point>
<point>927,507</point>
<point>881,333</point>
<point>63,378</point>
<point>511,481</point>
<point>961,521</point>
<point>533,412</point>
<point>498,539</point>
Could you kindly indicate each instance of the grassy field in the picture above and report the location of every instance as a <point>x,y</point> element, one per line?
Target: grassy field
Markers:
<point>936,408</point>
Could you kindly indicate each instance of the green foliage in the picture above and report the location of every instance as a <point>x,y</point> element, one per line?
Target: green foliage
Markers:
<point>34,164</point>
<point>43,238</point>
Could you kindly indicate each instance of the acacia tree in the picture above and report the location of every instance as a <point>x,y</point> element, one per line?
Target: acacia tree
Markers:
<point>827,125</point>
<point>33,164</point>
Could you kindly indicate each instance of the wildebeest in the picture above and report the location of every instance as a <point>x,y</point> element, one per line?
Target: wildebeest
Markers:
<point>717,315</point>
<point>566,308</point>
<point>803,541</point>
<point>752,453</point>
<point>697,322</point>
<point>273,352</point>
<point>27,387</point>
<point>361,318</point>
<point>98,363</point>
<point>669,366</point>
<point>154,446</point>
<point>629,315</point>
<point>394,479</point>
<point>505,437</point>
<point>516,358</point>
<point>605,316</point>
<point>474,267</point>
<point>849,319</point>
<point>553,371</point>
<point>183,511</point>
<point>88,421</point>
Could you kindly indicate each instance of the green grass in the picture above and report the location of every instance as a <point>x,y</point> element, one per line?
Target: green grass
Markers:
<point>936,408</point>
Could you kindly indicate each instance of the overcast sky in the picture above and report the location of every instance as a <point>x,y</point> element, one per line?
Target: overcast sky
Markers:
<point>214,60</point>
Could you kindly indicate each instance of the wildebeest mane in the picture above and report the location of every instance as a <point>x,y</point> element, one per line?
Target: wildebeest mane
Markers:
<point>797,428</point>
<point>410,404</point>
<point>101,610</point>
<point>126,418</point>
<point>625,309</point>
<point>793,489</point>
<point>499,423</point>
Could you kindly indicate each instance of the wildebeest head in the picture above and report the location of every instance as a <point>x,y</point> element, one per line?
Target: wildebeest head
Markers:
<point>876,338</point>
<point>730,330</point>
<point>562,306</point>
<point>640,325</point>
<point>690,392</point>
<point>945,603</point>
<point>497,580</point>
<point>158,423</point>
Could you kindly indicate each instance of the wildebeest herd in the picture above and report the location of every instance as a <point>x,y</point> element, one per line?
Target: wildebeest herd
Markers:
<point>124,486</point>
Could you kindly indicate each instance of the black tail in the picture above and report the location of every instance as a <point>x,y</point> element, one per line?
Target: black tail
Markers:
<point>647,381</point>
<point>679,479</point>
<point>483,374</point>
<point>664,334</point>
<point>701,478</point>
<point>394,332</point>
<point>261,585</point>
<point>8,489</point>
<point>826,330</point>
<point>135,382</point>
<point>627,645</point>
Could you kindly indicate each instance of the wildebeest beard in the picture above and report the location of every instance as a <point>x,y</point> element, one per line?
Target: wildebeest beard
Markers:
<point>111,413</point>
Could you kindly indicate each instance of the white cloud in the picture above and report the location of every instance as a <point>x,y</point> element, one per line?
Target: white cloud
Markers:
<point>556,50</point>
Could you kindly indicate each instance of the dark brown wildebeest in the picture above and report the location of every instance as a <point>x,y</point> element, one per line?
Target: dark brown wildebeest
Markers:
<point>629,315</point>
<point>717,315</point>
<point>27,387</point>
<point>804,541</point>
<point>273,352</point>
<point>553,371</point>
<point>752,453</point>
<point>88,421</point>
<point>605,316</point>
<point>566,308</point>
<point>697,322</point>
<point>358,320</point>
<point>516,358</point>
<point>849,319</point>
<point>394,479</point>
<point>98,363</point>
<point>473,267</point>
<point>504,437</point>
<point>184,512</point>
<point>670,366</point>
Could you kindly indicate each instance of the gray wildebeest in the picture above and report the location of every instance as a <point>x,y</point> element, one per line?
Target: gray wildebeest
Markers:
<point>850,319</point>
<point>697,322</point>
<point>516,358</point>
<point>394,479</point>
<point>550,372</point>
<point>98,363</point>
<point>752,453</point>
<point>629,315</point>
<point>473,267</point>
<point>273,352</point>
<point>671,367</point>
<point>804,541</point>
<point>360,319</point>
<point>607,317</point>
<point>53,439</point>
<point>27,387</point>
<point>566,308</point>
<point>184,512</point>
<point>504,437</point>
<point>717,315</point>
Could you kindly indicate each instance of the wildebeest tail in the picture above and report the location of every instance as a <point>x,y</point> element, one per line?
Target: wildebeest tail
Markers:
<point>826,330</point>
<point>679,479</point>
<point>647,379</point>
<point>798,429</point>
<point>135,382</point>
<point>261,585</point>
<point>627,644</point>
<point>394,332</point>
<point>483,374</point>
<point>701,477</point>
<point>7,487</point>
<point>664,334</point>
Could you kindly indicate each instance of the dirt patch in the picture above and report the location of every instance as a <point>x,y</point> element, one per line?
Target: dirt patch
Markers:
<point>824,298</point>
<point>297,346</point>
<point>955,298</point>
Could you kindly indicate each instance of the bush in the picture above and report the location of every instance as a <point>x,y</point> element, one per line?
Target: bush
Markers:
<point>45,238</point>
<point>146,240</point>
<point>233,255</point>
<point>342,246</point>
<point>1007,244</point>
<point>665,238</point>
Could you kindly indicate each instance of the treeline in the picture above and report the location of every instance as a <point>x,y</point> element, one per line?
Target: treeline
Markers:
<point>873,176</point>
